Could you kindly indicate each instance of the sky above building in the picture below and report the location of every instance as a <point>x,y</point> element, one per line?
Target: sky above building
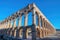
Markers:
<point>50,8</point>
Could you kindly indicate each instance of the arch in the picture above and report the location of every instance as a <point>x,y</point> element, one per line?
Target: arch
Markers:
<point>37,18</point>
<point>19,32</point>
<point>28,33</point>
<point>40,21</point>
<point>16,21</point>
<point>22,23</point>
<point>30,18</point>
<point>14,32</point>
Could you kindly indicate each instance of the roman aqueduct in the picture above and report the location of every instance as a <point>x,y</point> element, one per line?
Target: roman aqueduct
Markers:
<point>39,29</point>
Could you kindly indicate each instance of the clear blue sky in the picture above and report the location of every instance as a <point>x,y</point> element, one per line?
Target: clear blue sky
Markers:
<point>50,8</point>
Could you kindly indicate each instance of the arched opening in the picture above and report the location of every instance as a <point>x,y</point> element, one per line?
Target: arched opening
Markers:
<point>29,33</point>
<point>37,19</point>
<point>10,31</point>
<point>17,22</point>
<point>14,27</point>
<point>40,21</point>
<point>14,32</point>
<point>37,24</point>
<point>30,18</point>
<point>22,23</point>
<point>44,23</point>
<point>21,33</point>
<point>41,26</point>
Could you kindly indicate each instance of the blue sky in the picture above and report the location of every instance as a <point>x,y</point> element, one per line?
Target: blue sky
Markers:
<point>50,8</point>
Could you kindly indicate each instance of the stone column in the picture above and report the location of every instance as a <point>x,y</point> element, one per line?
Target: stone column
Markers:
<point>19,20</point>
<point>7,27</point>
<point>39,21</point>
<point>8,24</point>
<point>26,23</point>
<point>14,23</point>
<point>25,31</point>
<point>43,27</point>
<point>34,16</point>
<point>39,26</point>
<point>10,30</point>
<point>46,28</point>
<point>43,22</point>
<point>14,26</point>
<point>34,23</point>
<point>26,19</point>
<point>19,25</point>
<point>33,32</point>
